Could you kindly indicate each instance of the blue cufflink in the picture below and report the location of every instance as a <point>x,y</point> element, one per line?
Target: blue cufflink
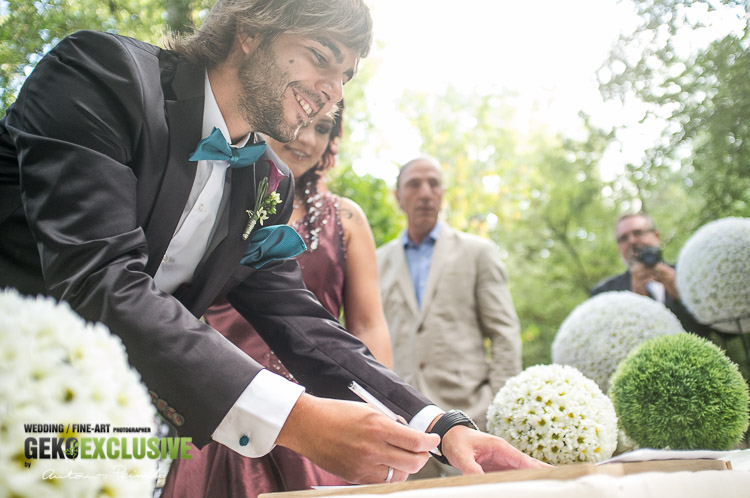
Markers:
<point>244,440</point>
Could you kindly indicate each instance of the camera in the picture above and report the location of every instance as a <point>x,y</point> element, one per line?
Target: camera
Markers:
<point>649,255</point>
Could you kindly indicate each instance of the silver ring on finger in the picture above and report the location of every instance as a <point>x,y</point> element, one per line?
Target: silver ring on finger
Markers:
<point>390,475</point>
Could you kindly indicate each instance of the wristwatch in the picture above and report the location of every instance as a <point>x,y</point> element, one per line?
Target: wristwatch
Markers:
<point>449,420</point>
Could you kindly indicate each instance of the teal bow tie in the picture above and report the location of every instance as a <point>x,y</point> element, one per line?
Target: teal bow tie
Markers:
<point>215,148</point>
<point>271,243</point>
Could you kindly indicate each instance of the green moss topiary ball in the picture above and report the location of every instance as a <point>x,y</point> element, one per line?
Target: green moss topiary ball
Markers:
<point>682,392</point>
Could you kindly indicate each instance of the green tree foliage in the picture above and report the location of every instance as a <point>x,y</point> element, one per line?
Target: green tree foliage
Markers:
<point>537,195</point>
<point>29,28</point>
<point>374,197</point>
<point>703,97</point>
<point>474,139</point>
<point>699,170</point>
<point>721,132</point>
<point>540,196</point>
<point>562,240</point>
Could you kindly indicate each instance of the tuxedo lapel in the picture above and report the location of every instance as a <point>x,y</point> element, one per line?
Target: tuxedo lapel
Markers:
<point>185,120</point>
<point>443,248</point>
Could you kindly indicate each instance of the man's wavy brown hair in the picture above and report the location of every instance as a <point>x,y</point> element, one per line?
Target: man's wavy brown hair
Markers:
<point>347,21</point>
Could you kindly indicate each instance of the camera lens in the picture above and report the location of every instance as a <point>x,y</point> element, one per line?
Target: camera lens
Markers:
<point>649,255</point>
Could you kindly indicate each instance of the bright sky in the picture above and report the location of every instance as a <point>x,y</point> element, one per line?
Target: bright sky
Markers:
<point>547,50</point>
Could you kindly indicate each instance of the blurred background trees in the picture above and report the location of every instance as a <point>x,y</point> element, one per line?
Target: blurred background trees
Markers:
<point>29,28</point>
<point>549,200</point>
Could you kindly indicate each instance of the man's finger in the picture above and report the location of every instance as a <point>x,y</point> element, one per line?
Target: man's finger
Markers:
<point>408,439</point>
<point>467,466</point>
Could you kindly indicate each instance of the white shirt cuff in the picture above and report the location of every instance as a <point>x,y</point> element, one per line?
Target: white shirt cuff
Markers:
<point>424,417</point>
<point>253,423</point>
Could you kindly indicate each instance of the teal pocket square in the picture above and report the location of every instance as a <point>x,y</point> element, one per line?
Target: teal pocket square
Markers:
<point>271,243</point>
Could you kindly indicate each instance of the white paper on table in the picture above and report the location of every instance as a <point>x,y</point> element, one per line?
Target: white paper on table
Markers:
<point>740,459</point>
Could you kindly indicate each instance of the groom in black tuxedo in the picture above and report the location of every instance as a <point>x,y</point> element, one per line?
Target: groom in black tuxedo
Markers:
<point>101,206</point>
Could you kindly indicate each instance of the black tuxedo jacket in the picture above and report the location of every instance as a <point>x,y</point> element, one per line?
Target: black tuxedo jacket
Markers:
<point>622,283</point>
<point>94,176</point>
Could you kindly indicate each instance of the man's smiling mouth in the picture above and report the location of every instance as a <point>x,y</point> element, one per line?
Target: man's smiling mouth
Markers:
<point>305,105</point>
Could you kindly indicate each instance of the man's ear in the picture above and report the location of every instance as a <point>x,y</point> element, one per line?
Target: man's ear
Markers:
<point>247,42</point>
<point>398,199</point>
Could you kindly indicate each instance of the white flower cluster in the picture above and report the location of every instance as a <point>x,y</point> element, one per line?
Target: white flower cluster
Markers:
<point>555,414</point>
<point>57,369</point>
<point>713,274</point>
<point>602,330</point>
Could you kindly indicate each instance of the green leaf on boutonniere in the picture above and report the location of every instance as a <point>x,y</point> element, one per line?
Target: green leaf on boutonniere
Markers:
<point>266,199</point>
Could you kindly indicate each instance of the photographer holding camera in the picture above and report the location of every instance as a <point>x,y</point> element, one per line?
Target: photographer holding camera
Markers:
<point>647,274</point>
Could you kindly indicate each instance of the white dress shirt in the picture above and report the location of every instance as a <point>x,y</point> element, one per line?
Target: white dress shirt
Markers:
<point>657,291</point>
<point>253,423</point>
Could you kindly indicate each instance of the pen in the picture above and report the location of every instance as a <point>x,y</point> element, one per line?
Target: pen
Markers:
<point>370,400</point>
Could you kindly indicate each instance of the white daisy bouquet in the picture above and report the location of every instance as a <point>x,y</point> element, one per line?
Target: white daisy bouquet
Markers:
<point>555,414</point>
<point>602,330</point>
<point>713,274</point>
<point>58,373</point>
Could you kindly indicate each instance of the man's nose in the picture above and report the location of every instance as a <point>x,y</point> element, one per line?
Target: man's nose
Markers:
<point>332,88</point>
<point>424,190</point>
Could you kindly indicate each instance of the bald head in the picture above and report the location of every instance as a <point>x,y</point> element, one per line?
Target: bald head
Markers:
<point>419,191</point>
<point>407,165</point>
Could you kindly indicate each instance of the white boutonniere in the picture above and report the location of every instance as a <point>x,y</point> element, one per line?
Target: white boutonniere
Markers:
<point>266,199</point>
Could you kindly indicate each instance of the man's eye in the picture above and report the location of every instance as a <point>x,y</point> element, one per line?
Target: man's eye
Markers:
<point>319,57</point>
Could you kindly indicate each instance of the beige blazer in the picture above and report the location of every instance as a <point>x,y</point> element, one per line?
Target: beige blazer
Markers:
<point>440,349</point>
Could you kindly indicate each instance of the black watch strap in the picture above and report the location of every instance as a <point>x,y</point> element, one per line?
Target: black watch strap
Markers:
<point>449,420</point>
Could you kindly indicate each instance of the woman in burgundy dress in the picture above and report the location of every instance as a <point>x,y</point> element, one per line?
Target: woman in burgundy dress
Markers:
<point>339,267</point>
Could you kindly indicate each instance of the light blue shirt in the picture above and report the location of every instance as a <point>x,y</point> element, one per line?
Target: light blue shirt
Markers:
<point>418,258</point>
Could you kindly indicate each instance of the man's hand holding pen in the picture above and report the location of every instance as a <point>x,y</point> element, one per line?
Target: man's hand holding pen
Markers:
<point>464,446</point>
<point>366,443</point>
<point>355,441</point>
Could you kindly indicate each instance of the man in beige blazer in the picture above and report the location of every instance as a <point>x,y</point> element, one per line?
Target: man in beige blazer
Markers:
<point>445,293</point>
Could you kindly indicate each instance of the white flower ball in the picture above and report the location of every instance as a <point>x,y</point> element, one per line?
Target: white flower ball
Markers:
<point>555,414</point>
<point>55,368</point>
<point>713,274</point>
<point>602,330</point>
